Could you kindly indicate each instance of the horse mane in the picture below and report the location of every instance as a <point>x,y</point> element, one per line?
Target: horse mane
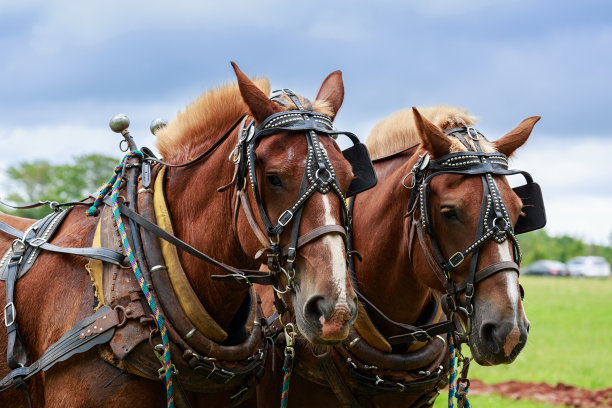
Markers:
<point>209,117</point>
<point>398,131</point>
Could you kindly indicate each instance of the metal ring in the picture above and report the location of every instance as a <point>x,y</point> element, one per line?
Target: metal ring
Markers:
<point>289,285</point>
<point>412,184</point>
<point>122,147</point>
<point>329,179</point>
<point>505,223</point>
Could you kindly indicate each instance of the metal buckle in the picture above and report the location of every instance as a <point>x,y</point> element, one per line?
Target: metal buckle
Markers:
<point>472,133</point>
<point>226,372</point>
<point>456,259</point>
<point>418,333</point>
<point>285,217</point>
<point>13,314</point>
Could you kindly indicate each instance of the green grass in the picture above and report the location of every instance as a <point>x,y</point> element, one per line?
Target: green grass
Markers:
<point>570,339</point>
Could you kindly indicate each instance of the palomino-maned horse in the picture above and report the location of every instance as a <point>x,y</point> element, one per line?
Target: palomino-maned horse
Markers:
<point>436,235</point>
<point>193,202</point>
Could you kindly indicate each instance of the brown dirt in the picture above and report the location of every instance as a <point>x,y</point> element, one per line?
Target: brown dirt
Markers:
<point>560,394</point>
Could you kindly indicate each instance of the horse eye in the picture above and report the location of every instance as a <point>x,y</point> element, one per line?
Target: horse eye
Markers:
<point>449,213</point>
<point>274,180</point>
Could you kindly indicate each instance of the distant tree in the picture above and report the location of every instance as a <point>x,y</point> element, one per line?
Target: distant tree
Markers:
<point>39,180</point>
<point>537,245</point>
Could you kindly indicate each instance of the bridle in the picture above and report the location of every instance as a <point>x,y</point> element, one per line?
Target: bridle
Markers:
<point>494,222</point>
<point>319,176</point>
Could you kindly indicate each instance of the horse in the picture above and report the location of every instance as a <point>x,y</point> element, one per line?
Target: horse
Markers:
<point>197,213</point>
<point>438,267</point>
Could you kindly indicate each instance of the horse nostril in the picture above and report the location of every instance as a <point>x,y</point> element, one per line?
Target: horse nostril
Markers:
<point>488,336</point>
<point>314,309</point>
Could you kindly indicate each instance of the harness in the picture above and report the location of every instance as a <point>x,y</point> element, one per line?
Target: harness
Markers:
<point>319,176</point>
<point>494,222</point>
<point>366,363</point>
<point>207,359</point>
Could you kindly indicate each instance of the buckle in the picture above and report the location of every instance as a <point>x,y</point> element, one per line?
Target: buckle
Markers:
<point>456,259</point>
<point>472,133</point>
<point>418,336</point>
<point>13,314</point>
<point>230,375</point>
<point>285,217</point>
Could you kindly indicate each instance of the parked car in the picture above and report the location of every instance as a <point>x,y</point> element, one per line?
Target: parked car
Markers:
<point>589,266</point>
<point>546,267</point>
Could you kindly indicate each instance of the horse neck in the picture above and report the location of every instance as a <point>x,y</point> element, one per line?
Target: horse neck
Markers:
<point>203,217</point>
<point>382,235</point>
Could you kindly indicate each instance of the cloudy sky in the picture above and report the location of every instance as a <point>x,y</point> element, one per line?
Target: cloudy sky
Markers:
<point>67,67</point>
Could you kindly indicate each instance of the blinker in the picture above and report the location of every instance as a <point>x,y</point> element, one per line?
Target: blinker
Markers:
<point>365,175</point>
<point>533,208</point>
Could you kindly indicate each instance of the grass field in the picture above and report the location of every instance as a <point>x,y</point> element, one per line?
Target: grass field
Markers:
<point>570,339</point>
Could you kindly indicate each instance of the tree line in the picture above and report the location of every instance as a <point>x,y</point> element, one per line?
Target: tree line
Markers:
<point>40,180</point>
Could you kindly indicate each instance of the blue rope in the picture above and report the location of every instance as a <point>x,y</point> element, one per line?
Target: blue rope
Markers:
<point>452,372</point>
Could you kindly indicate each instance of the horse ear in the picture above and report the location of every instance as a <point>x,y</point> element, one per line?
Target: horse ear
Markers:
<point>332,91</point>
<point>517,137</point>
<point>260,105</point>
<point>432,138</point>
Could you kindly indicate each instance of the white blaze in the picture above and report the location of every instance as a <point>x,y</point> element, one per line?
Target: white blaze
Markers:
<point>511,279</point>
<point>335,246</point>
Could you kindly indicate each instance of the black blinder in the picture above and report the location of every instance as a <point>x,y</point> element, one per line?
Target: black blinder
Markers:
<point>363,170</point>
<point>533,207</point>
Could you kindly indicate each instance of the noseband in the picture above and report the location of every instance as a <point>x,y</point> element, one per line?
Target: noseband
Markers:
<point>494,222</point>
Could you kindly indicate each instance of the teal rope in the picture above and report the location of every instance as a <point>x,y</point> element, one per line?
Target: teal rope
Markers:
<point>287,369</point>
<point>115,184</point>
<point>452,372</point>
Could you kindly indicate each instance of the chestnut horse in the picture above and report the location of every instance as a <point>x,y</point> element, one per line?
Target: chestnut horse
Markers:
<point>57,291</point>
<point>406,276</point>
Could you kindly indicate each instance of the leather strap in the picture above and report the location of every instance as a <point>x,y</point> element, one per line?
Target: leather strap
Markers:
<point>316,233</point>
<point>89,332</point>
<point>102,254</point>
<point>334,379</point>
<point>240,275</point>
<point>248,212</point>
<point>15,352</point>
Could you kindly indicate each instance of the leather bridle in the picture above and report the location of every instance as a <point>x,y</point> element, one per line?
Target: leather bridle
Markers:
<point>494,222</point>
<point>319,176</point>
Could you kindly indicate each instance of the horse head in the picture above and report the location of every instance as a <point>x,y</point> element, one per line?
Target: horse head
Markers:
<point>298,176</point>
<point>466,210</point>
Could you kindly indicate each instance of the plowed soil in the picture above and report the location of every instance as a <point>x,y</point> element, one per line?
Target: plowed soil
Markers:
<point>560,394</point>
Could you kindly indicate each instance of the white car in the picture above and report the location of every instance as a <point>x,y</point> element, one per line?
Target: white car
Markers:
<point>589,266</point>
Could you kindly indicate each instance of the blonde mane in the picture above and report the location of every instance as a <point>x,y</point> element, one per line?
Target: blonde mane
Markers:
<point>208,117</point>
<point>398,131</point>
